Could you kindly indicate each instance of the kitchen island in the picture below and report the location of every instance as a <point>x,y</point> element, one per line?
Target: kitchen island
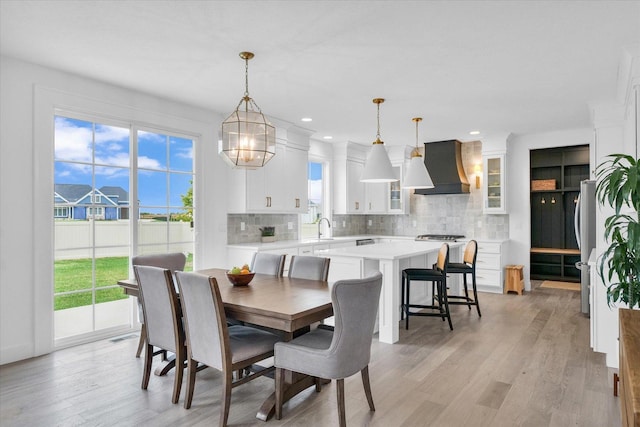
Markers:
<point>389,258</point>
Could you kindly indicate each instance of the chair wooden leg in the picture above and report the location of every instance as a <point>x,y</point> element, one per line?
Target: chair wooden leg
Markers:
<point>143,340</point>
<point>445,300</point>
<point>177,381</point>
<point>367,387</point>
<point>402,285</point>
<point>318,382</point>
<point>192,367</point>
<point>341,407</point>
<point>146,373</point>
<point>279,392</point>
<point>226,397</point>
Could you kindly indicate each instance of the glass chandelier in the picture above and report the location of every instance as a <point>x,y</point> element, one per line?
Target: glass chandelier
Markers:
<point>378,168</point>
<point>248,139</point>
<point>417,174</point>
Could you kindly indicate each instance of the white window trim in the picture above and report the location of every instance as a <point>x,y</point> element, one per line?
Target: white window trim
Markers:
<point>47,104</point>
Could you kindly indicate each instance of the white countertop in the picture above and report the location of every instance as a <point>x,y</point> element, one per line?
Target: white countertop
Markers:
<point>393,250</point>
<point>284,244</point>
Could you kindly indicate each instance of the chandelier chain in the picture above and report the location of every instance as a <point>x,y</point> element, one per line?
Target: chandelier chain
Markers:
<point>378,134</point>
<point>246,77</point>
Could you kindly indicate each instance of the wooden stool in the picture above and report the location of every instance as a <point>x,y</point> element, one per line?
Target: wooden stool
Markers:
<point>514,279</point>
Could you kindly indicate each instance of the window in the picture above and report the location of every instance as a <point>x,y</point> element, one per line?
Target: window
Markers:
<point>316,194</point>
<point>99,168</point>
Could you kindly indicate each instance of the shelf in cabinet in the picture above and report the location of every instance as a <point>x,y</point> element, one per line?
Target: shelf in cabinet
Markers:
<point>558,251</point>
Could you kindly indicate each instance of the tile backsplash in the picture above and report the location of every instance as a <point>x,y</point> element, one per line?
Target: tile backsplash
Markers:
<point>433,214</point>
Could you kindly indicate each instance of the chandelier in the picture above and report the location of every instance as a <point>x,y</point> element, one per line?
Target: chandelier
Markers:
<point>248,139</point>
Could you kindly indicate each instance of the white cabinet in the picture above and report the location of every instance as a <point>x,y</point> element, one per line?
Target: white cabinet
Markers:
<point>354,197</point>
<point>494,191</point>
<point>355,189</point>
<point>278,187</point>
<point>489,267</point>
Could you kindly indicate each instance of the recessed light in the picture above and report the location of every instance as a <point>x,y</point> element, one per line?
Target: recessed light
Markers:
<point>306,119</point>
<point>474,132</point>
<point>327,137</point>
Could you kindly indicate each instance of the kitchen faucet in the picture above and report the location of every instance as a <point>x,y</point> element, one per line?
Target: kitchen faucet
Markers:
<point>320,225</point>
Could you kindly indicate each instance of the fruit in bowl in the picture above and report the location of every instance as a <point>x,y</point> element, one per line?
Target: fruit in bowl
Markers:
<point>240,276</point>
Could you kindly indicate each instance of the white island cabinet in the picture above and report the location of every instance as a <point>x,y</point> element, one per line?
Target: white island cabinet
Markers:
<point>390,259</point>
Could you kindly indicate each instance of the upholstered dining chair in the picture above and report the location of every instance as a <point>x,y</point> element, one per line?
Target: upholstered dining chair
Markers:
<point>467,266</point>
<point>171,261</point>
<point>309,267</point>
<point>436,275</point>
<point>340,353</point>
<point>266,263</point>
<point>163,319</point>
<point>212,343</point>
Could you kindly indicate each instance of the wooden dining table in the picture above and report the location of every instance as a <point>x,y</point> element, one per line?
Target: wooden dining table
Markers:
<point>280,303</point>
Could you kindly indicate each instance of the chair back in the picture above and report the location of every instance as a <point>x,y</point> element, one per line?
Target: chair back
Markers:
<point>205,321</point>
<point>355,305</point>
<point>309,267</point>
<point>443,258</point>
<point>266,263</point>
<point>162,314</point>
<point>173,261</point>
<point>470,253</point>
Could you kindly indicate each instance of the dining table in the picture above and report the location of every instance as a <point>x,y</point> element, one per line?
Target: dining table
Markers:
<point>281,303</point>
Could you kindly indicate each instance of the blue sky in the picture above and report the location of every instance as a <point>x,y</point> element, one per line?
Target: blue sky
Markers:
<point>161,158</point>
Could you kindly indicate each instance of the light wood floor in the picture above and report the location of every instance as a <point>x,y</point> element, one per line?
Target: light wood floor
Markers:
<point>527,362</point>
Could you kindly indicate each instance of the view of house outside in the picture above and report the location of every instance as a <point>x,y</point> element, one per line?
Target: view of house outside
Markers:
<point>97,228</point>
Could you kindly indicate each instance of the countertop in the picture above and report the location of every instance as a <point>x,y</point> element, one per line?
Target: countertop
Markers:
<point>286,244</point>
<point>393,250</point>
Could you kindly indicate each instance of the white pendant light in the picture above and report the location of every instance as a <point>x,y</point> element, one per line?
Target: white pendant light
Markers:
<point>248,139</point>
<point>378,168</point>
<point>417,174</point>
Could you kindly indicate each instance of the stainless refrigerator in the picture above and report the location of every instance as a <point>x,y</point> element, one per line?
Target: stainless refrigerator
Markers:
<point>585,227</point>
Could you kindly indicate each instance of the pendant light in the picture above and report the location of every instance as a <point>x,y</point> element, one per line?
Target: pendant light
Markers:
<point>417,174</point>
<point>248,139</point>
<point>378,168</point>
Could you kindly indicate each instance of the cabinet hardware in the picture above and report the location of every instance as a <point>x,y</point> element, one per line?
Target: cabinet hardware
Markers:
<point>297,203</point>
<point>357,205</point>
<point>268,201</point>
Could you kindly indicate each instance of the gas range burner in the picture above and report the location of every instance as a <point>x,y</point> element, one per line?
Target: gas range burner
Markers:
<point>439,237</point>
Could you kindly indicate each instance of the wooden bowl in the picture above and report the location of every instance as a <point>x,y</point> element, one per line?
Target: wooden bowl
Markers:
<point>240,279</point>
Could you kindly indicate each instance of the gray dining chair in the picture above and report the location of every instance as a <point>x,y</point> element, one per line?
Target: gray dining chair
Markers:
<point>309,267</point>
<point>163,319</point>
<point>266,263</point>
<point>340,353</point>
<point>171,261</point>
<point>210,341</point>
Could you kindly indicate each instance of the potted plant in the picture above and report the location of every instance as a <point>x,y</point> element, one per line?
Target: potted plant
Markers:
<point>268,234</point>
<point>619,187</point>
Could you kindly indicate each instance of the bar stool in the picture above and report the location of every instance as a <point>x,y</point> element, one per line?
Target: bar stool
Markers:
<point>467,266</point>
<point>436,275</point>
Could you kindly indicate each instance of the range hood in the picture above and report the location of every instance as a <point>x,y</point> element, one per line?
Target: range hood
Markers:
<point>444,163</point>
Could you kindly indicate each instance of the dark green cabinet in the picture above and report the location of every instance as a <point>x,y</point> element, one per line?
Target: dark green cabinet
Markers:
<point>554,250</point>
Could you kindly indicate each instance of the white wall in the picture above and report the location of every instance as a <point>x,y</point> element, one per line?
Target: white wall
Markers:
<point>29,95</point>
<point>519,187</point>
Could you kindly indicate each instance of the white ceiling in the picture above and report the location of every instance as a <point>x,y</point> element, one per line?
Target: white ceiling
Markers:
<point>493,66</point>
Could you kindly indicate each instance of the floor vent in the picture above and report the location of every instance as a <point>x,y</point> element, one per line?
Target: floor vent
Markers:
<point>124,337</point>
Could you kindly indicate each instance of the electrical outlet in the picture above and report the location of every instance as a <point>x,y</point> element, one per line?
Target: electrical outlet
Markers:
<point>242,226</point>
<point>290,226</point>
<point>414,223</point>
<point>480,224</point>
<point>344,223</point>
<point>370,223</point>
<point>335,224</point>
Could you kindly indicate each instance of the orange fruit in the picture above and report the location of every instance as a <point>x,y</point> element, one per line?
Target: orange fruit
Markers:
<point>244,271</point>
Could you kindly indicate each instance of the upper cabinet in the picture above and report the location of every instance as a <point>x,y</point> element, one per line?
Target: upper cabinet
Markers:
<point>494,192</point>
<point>350,196</point>
<point>278,187</point>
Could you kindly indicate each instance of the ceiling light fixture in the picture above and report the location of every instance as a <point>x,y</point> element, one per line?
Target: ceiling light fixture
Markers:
<point>378,168</point>
<point>248,139</point>
<point>474,132</point>
<point>417,174</point>
<point>327,137</point>
<point>306,119</point>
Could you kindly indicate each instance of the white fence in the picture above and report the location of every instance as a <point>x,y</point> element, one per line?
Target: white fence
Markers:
<point>76,239</point>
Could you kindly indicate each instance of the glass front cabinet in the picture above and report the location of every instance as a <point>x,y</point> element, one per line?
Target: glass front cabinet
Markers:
<point>494,193</point>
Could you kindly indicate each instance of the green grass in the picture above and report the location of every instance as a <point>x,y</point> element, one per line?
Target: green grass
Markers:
<point>76,275</point>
